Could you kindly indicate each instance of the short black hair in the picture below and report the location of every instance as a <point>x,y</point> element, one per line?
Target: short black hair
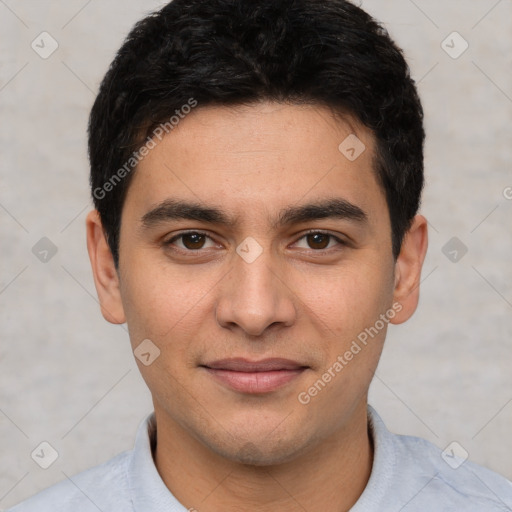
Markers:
<point>233,52</point>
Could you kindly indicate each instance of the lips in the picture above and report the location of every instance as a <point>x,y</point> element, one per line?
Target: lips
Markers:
<point>240,364</point>
<point>247,376</point>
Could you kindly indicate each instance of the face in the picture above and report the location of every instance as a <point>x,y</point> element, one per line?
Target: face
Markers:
<point>254,255</point>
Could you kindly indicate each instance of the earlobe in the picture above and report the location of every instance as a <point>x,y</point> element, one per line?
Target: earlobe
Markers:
<point>105,274</point>
<point>408,269</point>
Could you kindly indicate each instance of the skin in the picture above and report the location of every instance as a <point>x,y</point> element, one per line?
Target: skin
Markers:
<point>301,299</point>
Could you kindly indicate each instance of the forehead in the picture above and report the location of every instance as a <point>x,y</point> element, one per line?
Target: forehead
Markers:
<point>259,155</point>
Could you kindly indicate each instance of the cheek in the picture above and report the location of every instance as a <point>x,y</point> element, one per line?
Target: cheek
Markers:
<point>350,309</point>
<point>346,299</point>
<point>163,302</point>
<point>169,309</point>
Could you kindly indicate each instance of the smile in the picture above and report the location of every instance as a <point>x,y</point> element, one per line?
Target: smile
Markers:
<point>254,377</point>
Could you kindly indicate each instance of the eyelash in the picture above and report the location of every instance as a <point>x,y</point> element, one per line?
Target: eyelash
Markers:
<point>169,242</point>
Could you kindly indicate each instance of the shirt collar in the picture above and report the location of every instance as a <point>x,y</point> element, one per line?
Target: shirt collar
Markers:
<point>383,467</point>
<point>149,492</point>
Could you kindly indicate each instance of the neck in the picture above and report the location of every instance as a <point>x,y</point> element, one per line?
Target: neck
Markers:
<point>329,477</point>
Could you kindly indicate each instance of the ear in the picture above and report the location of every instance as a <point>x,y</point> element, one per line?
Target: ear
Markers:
<point>408,269</point>
<point>105,274</point>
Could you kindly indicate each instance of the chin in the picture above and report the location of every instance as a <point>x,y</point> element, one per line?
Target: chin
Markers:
<point>259,448</point>
<point>254,454</point>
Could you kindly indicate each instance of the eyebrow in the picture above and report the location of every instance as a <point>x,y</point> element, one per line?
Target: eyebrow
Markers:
<point>173,209</point>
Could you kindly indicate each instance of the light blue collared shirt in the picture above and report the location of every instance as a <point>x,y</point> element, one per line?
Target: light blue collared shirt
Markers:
<point>409,474</point>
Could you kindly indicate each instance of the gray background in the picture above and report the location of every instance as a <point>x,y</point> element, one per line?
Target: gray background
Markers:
<point>69,378</point>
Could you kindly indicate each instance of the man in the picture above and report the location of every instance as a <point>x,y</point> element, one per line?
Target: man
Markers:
<point>256,169</point>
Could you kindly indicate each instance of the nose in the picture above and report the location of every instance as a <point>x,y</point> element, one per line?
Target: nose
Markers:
<point>255,296</point>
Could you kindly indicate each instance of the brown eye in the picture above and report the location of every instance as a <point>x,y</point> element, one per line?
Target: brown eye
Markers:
<point>193,240</point>
<point>318,240</point>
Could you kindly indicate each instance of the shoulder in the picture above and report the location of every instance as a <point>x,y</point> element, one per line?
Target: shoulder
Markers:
<point>103,487</point>
<point>412,474</point>
<point>447,475</point>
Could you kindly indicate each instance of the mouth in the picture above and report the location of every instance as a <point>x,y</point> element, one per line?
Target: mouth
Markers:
<point>254,377</point>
